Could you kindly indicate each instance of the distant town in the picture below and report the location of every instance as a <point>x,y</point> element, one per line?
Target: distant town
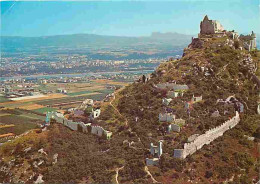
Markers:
<point>20,88</point>
<point>60,64</point>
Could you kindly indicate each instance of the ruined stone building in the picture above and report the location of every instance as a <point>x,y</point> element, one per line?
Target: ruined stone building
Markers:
<point>249,41</point>
<point>210,26</point>
<point>156,152</point>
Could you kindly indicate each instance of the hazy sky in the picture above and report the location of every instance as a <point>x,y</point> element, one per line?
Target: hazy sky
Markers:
<point>125,18</point>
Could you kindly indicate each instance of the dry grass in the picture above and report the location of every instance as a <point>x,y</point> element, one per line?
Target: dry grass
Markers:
<point>111,82</point>
<point>7,126</point>
<point>77,87</point>
<point>31,106</point>
<point>4,114</point>
<point>51,96</point>
<point>95,93</point>
<point>7,135</point>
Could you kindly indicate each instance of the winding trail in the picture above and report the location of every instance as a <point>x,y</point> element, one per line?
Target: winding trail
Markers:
<point>129,128</point>
<point>126,121</point>
<point>111,103</point>
<point>223,69</point>
<point>117,171</point>
<point>148,172</point>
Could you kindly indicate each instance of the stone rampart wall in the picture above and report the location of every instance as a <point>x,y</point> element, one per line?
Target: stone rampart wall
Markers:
<point>97,130</point>
<point>207,138</point>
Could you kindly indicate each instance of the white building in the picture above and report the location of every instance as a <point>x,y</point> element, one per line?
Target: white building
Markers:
<point>196,99</point>
<point>166,101</point>
<point>95,113</point>
<point>156,150</point>
<point>166,117</point>
<point>174,94</point>
<point>152,161</point>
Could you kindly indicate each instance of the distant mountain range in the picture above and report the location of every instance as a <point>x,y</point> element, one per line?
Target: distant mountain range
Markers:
<point>91,41</point>
<point>157,39</point>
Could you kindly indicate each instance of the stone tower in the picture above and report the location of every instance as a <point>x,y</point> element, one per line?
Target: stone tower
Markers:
<point>208,26</point>
<point>253,36</point>
<point>160,149</point>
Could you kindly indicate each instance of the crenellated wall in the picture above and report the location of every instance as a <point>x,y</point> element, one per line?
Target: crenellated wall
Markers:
<point>97,130</point>
<point>208,137</point>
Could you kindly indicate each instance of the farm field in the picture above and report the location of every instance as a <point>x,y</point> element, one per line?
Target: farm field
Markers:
<point>18,121</point>
<point>21,124</point>
<point>28,113</point>
<point>44,110</point>
<point>14,104</point>
<point>110,82</point>
<point>3,99</point>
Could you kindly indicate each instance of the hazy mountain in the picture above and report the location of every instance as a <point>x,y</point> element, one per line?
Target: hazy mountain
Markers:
<point>92,40</point>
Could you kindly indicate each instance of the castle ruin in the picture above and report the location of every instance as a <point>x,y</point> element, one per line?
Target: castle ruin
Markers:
<point>77,126</point>
<point>213,28</point>
<point>208,26</point>
<point>249,41</point>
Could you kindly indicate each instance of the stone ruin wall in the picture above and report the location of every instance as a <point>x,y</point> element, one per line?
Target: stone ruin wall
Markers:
<point>96,130</point>
<point>207,138</point>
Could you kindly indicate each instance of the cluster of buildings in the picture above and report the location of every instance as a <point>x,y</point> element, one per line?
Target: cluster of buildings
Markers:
<point>51,64</point>
<point>208,29</point>
<point>173,124</point>
<point>195,142</point>
<point>87,107</point>
<point>31,86</point>
<point>173,91</point>
<point>16,91</point>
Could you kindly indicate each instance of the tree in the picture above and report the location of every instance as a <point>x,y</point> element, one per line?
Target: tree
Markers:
<point>143,79</point>
<point>89,128</point>
<point>236,44</point>
<point>80,129</point>
<point>88,111</point>
<point>208,174</point>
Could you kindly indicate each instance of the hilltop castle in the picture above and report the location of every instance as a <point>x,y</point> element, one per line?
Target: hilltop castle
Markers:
<point>213,28</point>
<point>210,26</point>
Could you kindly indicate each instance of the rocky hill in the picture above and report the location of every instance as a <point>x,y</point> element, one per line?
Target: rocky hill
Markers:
<point>214,68</point>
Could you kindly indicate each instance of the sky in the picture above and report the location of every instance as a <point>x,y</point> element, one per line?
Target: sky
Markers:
<point>124,18</point>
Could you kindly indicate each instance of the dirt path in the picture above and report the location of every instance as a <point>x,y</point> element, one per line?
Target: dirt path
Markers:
<point>117,171</point>
<point>126,121</point>
<point>148,172</point>
<point>111,103</point>
<point>222,70</point>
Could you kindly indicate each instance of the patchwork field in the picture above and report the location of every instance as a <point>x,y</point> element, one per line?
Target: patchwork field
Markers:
<point>109,82</point>
<point>20,124</point>
<point>44,110</point>
<point>18,121</point>
<point>31,106</point>
<point>3,99</point>
<point>27,113</point>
